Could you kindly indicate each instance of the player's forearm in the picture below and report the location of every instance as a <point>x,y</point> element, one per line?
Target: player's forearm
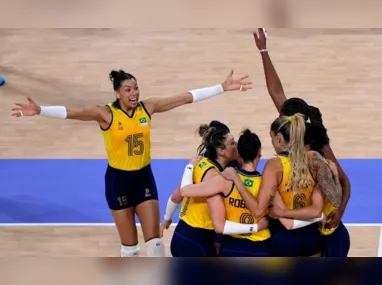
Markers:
<point>250,201</point>
<point>59,112</point>
<point>173,203</point>
<point>62,112</point>
<point>193,96</point>
<point>292,224</point>
<point>274,85</point>
<point>309,212</point>
<point>229,228</point>
<point>346,190</point>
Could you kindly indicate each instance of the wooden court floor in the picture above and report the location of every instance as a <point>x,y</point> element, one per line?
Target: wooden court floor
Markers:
<point>102,241</point>
<point>336,70</point>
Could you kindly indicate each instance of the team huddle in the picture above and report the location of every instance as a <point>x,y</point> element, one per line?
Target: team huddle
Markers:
<point>225,210</point>
<point>228,208</point>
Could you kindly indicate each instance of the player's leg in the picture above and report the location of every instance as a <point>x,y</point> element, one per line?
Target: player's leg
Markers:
<point>118,197</point>
<point>147,210</point>
<point>236,247</point>
<point>310,239</point>
<point>127,230</point>
<point>148,214</point>
<point>192,242</point>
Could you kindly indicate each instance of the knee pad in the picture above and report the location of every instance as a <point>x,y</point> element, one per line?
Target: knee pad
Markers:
<point>155,248</point>
<point>130,251</point>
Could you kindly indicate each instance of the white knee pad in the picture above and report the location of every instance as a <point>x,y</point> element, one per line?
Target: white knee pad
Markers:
<point>155,248</point>
<point>130,251</point>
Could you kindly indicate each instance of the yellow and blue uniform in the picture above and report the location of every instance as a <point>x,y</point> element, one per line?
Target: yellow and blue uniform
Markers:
<point>129,179</point>
<point>194,235</point>
<point>305,241</point>
<point>244,245</point>
<point>337,240</point>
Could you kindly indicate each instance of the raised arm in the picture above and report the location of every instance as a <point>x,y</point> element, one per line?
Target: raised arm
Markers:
<point>100,114</point>
<point>274,85</point>
<point>159,105</point>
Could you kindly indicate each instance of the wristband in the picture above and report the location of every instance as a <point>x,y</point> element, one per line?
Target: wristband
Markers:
<point>297,224</point>
<point>170,209</point>
<point>236,228</point>
<point>206,93</point>
<point>187,176</point>
<point>58,112</point>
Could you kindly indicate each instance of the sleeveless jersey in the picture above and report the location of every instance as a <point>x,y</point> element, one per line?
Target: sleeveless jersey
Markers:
<point>194,211</point>
<point>236,209</point>
<point>127,139</point>
<point>298,198</point>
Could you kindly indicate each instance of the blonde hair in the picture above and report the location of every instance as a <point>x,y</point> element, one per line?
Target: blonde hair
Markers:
<point>293,130</point>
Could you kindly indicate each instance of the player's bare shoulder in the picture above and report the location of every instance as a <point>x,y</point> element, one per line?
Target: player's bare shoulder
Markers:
<point>274,163</point>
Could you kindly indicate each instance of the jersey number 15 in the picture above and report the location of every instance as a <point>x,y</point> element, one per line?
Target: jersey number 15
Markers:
<point>135,144</point>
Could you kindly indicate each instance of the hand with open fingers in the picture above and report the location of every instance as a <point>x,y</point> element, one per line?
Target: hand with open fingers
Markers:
<point>260,38</point>
<point>164,225</point>
<point>229,173</point>
<point>194,161</point>
<point>25,109</point>
<point>233,84</point>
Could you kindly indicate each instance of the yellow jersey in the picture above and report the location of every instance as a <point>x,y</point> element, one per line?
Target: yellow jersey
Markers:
<point>127,138</point>
<point>297,198</point>
<point>194,211</point>
<point>328,209</point>
<point>236,209</point>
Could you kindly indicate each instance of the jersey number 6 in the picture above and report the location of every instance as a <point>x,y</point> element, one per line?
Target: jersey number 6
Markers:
<point>135,144</point>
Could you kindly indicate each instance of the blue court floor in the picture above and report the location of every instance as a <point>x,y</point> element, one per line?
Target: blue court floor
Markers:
<point>72,191</point>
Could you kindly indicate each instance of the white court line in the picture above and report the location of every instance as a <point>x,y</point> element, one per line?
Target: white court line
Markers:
<point>138,224</point>
<point>380,244</point>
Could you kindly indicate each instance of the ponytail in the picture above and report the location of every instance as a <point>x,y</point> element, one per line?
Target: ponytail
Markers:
<point>299,161</point>
<point>293,131</point>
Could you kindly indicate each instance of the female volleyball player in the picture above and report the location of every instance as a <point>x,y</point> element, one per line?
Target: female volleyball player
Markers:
<point>195,235</point>
<point>289,174</point>
<point>289,107</point>
<point>295,177</point>
<point>129,182</point>
<point>296,105</point>
<point>243,234</point>
<point>313,137</point>
<point>257,207</point>
<point>175,199</point>
<point>337,239</point>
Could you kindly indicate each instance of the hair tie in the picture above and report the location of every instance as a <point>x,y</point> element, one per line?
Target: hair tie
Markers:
<point>214,123</point>
<point>290,118</point>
